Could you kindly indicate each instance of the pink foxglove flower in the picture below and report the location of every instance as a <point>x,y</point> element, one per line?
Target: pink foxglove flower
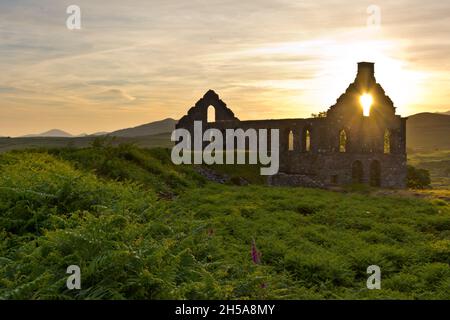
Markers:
<point>256,255</point>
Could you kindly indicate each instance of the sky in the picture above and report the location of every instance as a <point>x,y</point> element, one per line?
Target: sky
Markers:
<point>138,61</point>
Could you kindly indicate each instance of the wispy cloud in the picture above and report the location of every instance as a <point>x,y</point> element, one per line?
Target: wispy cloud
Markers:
<point>140,59</point>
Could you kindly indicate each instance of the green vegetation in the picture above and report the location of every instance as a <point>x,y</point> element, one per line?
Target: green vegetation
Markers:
<point>150,141</point>
<point>250,173</point>
<point>437,163</point>
<point>141,228</point>
<point>418,178</point>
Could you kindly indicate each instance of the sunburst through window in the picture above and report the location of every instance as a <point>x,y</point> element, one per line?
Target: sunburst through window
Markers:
<point>366,102</point>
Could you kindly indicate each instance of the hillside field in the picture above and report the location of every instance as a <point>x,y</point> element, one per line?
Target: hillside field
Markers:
<point>437,163</point>
<point>150,141</point>
<point>140,227</point>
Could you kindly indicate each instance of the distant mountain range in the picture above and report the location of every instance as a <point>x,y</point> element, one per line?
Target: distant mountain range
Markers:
<point>152,128</point>
<point>424,131</point>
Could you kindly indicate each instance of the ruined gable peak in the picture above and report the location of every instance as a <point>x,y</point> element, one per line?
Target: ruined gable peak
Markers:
<point>365,77</point>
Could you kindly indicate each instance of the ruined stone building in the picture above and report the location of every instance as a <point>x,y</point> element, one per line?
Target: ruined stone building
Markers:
<point>345,145</point>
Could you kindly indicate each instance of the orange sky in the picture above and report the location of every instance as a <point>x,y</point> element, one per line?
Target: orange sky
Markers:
<point>138,61</point>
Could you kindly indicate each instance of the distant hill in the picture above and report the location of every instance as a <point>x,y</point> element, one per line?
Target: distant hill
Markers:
<point>101,133</point>
<point>152,128</point>
<point>148,129</point>
<point>427,131</point>
<point>51,133</point>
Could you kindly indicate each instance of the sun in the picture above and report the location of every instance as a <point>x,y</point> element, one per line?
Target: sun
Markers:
<point>366,102</point>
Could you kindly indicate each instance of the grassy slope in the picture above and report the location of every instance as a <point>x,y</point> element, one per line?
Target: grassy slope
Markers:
<point>437,163</point>
<point>153,141</point>
<point>142,228</point>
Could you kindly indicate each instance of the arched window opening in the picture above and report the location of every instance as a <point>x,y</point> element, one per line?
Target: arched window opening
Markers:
<point>387,141</point>
<point>375,173</point>
<point>357,172</point>
<point>211,116</point>
<point>342,141</point>
<point>291,141</point>
<point>307,141</point>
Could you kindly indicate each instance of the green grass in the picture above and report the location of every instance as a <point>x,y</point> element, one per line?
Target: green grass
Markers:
<point>249,172</point>
<point>437,163</point>
<point>151,141</point>
<point>140,227</point>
